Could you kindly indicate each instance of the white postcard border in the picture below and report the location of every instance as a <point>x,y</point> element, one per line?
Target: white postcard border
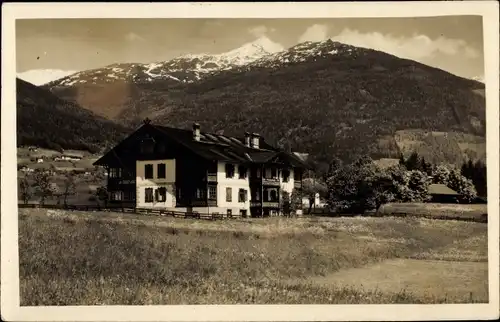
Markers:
<point>10,309</point>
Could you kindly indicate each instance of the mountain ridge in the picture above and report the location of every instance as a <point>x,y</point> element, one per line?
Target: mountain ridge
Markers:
<point>325,97</point>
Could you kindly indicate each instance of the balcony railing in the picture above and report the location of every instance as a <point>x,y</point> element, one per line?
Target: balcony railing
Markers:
<point>204,203</point>
<point>270,204</point>
<point>255,203</point>
<point>271,182</point>
<point>212,177</point>
<point>297,184</point>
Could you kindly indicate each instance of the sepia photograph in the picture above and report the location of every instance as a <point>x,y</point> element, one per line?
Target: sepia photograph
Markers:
<point>223,159</point>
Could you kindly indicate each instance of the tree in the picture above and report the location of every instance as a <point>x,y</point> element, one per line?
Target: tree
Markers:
<point>25,189</point>
<point>382,189</point>
<point>413,162</point>
<point>310,187</point>
<point>295,201</point>
<point>350,187</point>
<point>419,186</point>
<point>43,185</point>
<point>69,188</point>
<point>101,194</point>
<point>477,173</point>
<point>285,203</point>
<point>402,160</point>
<point>400,183</point>
<point>425,166</point>
<point>463,186</point>
<point>441,174</point>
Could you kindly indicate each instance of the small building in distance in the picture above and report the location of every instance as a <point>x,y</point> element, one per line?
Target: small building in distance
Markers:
<point>188,170</point>
<point>441,193</point>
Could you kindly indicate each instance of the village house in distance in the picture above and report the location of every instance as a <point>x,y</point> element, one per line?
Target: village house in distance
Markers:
<point>159,167</point>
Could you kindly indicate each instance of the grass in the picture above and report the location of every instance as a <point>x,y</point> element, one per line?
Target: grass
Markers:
<point>78,258</point>
<point>472,212</point>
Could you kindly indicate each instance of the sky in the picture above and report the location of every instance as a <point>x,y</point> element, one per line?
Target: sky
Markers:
<point>452,43</point>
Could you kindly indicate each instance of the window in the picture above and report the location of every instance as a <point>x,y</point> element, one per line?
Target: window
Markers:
<point>274,173</point>
<point>129,195</point>
<point>243,213</point>
<point>162,173</point>
<point>242,195</point>
<point>161,194</point>
<point>229,170</point>
<point>274,195</point>
<point>117,196</point>
<point>212,193</point>
<point>115,173</point>
<point>148,195</point>
<point>242,172</point>
<point>296,176</point>
<point>200,193</point>
<point>229,194</point>
<point>286,175</point>
<point>229,212</point>
<point>148,171</point>
<point>258,173</point>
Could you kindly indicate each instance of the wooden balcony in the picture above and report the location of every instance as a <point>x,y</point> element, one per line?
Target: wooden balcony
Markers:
<point>274,182</point>
<point>255,204</point>
<point>212,177</point>
<point>297,184</point>
<point>270,204</point>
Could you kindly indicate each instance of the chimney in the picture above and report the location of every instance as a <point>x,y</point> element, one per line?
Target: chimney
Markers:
<point>255,140</point>
<point>196,131</point>
<point>247,139</point>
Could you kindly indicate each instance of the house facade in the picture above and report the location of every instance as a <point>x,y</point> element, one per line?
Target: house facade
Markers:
<point>159,167</point>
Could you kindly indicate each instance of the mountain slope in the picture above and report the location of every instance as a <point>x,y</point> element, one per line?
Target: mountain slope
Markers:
<point>111,90</point>
<point>325,98</point>
<point>47,121</point>
<point>329,99</point>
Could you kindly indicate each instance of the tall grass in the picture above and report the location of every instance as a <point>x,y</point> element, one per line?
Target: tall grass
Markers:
<point>83,259</point>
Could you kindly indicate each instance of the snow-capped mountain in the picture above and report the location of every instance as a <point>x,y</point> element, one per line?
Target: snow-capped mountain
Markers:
<point>306,51</point>
<point>187,68</point>
<point>43,76</point>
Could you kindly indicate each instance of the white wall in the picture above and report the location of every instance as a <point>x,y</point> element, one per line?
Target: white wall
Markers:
<point>236,184</point>
<point>287,186</point>
<point>168,182</point>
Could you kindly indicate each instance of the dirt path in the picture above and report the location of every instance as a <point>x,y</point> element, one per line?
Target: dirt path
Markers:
<point>456,281</point>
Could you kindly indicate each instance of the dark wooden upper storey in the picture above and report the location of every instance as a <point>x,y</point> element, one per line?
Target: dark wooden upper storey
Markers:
<point>155,142</point>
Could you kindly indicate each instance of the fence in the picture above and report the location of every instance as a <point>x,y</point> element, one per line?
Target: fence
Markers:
<point>142,211</point>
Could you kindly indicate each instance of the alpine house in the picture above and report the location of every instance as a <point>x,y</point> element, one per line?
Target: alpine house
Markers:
<point>158,167</point>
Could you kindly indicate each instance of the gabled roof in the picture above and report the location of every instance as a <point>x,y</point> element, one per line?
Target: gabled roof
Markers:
<point>441,189</point>
<point>219,147</point>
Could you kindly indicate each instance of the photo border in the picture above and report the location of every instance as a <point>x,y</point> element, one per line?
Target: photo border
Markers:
<point>10,308</point>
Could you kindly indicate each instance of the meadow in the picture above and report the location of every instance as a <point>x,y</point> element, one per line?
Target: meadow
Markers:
<point>105,258</point>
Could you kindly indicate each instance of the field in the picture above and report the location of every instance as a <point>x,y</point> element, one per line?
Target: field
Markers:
<point>85,184</point>
<point>104,258</point>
